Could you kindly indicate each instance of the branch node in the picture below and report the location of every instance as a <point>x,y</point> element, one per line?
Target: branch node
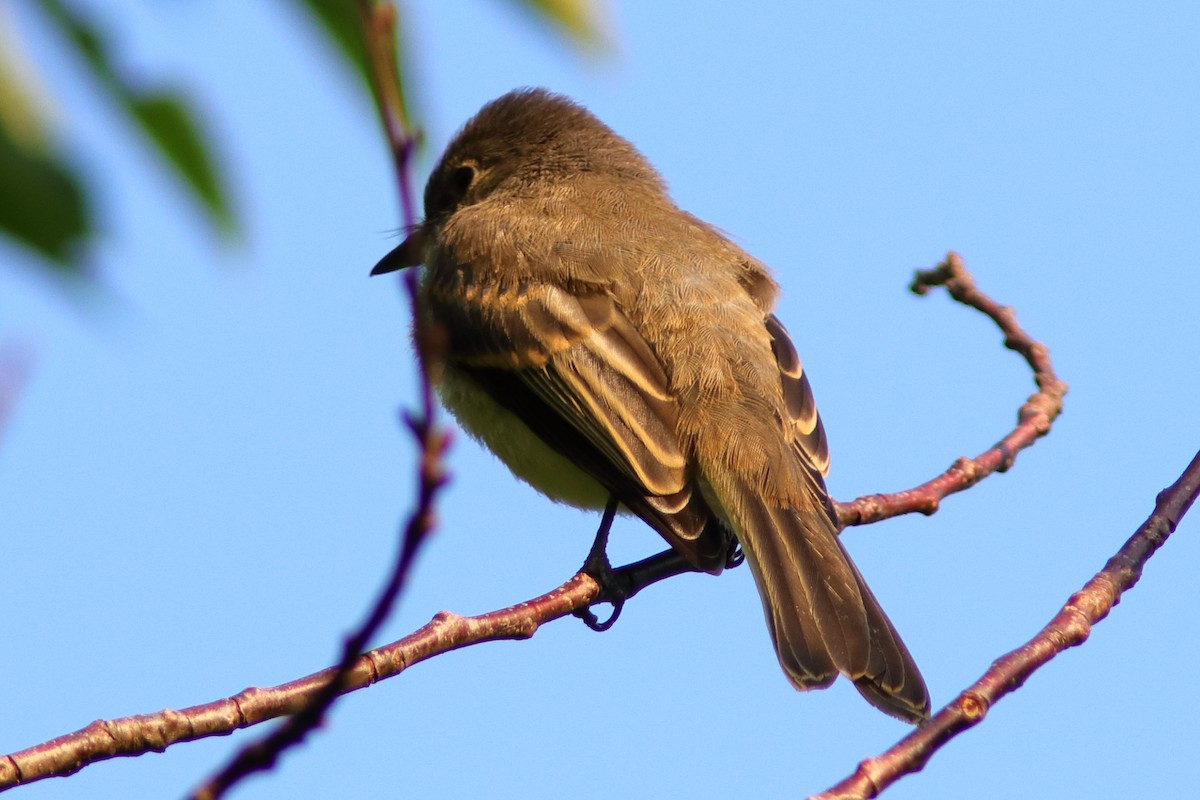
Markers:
<point>9,766</point>
<point>248,696</point>
<point>1078,625</point>
<point>370,661</point>
<point>447,619</point>
<point>968,468</point>
<point>1007,457</point>
<point>973,707</point>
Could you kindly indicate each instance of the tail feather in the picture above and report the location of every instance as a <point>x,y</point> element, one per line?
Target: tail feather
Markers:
<point>892,683</point>
<point>823,618</point>
<point>790,618</point>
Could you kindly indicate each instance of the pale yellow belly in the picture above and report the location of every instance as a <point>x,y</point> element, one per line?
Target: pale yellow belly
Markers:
<point>529,458</point>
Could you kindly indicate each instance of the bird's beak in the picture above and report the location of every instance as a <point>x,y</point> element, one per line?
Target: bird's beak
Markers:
<point>409,253</point>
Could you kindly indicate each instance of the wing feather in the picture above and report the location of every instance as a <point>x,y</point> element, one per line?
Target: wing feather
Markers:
<point>808,432</point>
<point>575,370</point>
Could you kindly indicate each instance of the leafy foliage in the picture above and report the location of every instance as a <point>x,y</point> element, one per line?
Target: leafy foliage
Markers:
<point>45,203</point>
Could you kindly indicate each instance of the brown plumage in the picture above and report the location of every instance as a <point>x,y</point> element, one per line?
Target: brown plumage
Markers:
<point>602,341</point>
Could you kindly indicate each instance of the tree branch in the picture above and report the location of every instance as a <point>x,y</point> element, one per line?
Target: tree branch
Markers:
<point>324,689</point>
<point>1070,627</point>
<point>131,736</point>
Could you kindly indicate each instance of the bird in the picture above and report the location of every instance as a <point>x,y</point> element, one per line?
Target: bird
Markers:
<point>611,348</point>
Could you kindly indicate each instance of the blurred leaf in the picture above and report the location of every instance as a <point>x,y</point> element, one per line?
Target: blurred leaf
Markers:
<point>164,117</point>
<point>169,122</point>
<point>42,201</point>
<point>340,20</point>
<point>42,204</point>
<point>21,116</point>
<point>578,18</point>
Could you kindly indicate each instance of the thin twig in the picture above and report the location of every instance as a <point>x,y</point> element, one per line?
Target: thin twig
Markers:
<point>1033,420</point>
<point>262,755</point>
<point>136,735</point>
<point>379,35</point>
<point>1070,627</point>
<point>378,21</point>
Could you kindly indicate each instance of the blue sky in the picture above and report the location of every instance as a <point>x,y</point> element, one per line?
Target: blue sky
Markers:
<point>202,484</point>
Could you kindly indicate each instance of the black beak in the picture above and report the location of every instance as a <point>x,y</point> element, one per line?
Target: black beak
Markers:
<point>409,253</point>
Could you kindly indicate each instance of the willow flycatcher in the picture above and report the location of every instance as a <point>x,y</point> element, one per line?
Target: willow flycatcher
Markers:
<point>604,343</point>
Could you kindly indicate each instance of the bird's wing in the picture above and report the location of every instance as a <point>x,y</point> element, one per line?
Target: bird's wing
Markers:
<point>571,366</point>
<point>808,434</point>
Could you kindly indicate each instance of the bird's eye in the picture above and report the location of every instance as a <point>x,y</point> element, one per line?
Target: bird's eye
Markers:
<point>449,191</point>
<point>461,179</point>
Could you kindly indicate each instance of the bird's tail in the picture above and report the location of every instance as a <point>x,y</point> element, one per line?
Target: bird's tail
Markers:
<point>822,617</point>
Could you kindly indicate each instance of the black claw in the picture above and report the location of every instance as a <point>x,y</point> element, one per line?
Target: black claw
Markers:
<point>618,585</point>
<point>593,622</point>
<point>735,557</point>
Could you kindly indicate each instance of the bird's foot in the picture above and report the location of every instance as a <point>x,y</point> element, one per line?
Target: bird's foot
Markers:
<point>614,590</point>
<point>614,587</point>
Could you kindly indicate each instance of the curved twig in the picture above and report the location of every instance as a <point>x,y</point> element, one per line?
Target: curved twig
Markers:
<point>130,736</point>
<point>1069,627</point>
<point>1033,420</point>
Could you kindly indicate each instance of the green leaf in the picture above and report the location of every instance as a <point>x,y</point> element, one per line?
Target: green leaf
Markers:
<point>22,102</point>
<point>42,201</point>
<point>577,18</point>
<point>42,204</point>
<point>340,20</point>
<point>169,122</point>
<point>164,117</point>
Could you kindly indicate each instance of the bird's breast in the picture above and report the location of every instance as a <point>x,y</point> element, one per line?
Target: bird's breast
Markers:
<point>522,451</point>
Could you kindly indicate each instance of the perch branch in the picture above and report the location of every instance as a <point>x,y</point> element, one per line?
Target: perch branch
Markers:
<point>137,735</point>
